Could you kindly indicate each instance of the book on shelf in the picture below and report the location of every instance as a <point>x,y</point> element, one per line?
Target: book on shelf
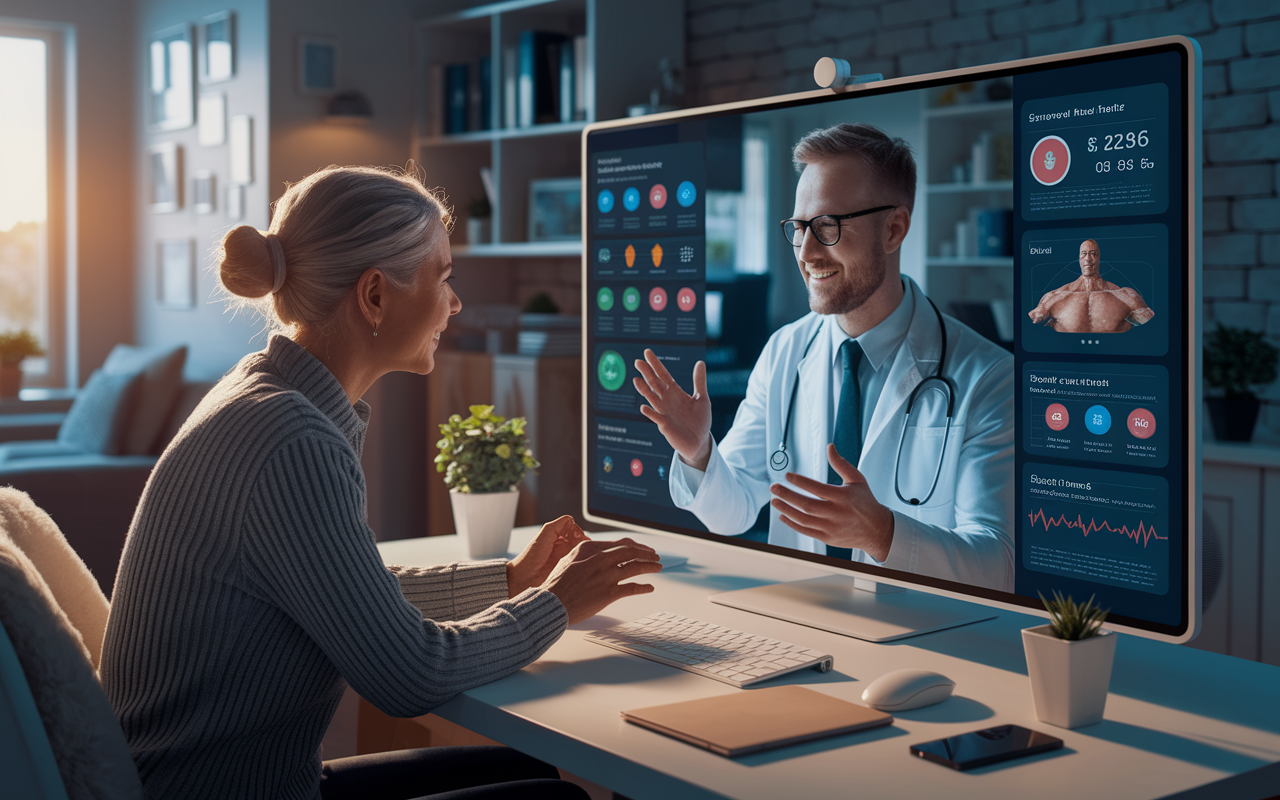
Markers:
<point>580,88</point>
<point>456,96</point>
<point>510,83</point>
<point>435,100</point>
<point>539,84</point>
<point>484,95</point>
<point>566,94</point>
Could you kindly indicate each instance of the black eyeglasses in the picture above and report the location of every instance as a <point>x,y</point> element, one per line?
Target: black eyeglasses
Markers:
<point>826,228</point>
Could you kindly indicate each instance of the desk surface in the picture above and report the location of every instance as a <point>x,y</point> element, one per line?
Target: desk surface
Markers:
<point>1177,718</point>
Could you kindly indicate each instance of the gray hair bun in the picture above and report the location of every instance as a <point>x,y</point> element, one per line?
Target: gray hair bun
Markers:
<point>252,263</point>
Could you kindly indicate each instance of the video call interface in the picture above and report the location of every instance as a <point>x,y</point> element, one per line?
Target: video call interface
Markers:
<point>1071,180</point>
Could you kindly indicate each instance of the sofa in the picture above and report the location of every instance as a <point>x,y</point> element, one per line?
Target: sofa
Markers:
<point>88,467</point>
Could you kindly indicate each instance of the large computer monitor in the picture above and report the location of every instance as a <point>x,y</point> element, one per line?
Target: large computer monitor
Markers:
<point>1056,212</point>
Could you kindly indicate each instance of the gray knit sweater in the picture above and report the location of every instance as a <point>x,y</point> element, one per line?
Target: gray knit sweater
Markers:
<point>250,593</point>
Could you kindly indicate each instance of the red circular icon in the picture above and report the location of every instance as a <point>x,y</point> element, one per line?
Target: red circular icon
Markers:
<point>636,467</point>
<point>1142,423</point>
<point>1050,160</point>
<point>658,298</point>
<point>1056,416</point>
<point>686,299</point>
<point>658,196</point>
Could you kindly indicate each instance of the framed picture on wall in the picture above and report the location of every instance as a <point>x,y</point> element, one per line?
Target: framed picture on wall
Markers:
<point>212,119</point>
<point>165,164</point>
<point>171,73</point>
<point>202,191</point>
<point>218,47</point>
<point>240,133</point>
<point>555,209</point>
<point>317,65</point>
<point>176,278</point>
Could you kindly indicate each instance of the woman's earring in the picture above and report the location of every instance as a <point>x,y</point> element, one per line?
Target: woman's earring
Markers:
<point>375,330</point>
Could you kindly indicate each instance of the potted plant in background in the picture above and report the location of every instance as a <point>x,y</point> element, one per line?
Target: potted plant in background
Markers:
<point>14,347</point>
<point>1235,360</point>
<point>483,458</point>
<point>1069,662</point>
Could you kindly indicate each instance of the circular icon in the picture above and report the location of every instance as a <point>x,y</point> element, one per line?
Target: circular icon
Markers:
<point>604,255</point>
<point>605,201</point>
<point>657,298</point>
<point>662,473</point>
<point>1056,416</point>
<point>611,371</point>
<point>637,469</point>
<point>1050,160</point>
<point>1097,419</point>
<point>631,198</point>
<point>1142,423</point>
<point>658,196</point>
<point>604,298</point>
<point>631,298</point>
<point>608,464</point>
<point>686,299</point>
<point>686,194</point>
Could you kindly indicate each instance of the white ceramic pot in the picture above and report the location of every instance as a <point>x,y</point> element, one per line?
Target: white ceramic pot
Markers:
<point>478,230</point>
<point>1069,680</point>
<point>484,521</point>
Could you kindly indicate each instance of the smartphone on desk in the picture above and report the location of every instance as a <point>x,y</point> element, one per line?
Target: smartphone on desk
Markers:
<point>987,746</point>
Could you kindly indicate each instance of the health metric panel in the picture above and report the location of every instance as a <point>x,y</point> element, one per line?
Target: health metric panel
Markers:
<point>633,190</point>
<point>613,368</point>
<point>648,311</point>
<point>1096,525</point>
<point>631,459</point>
<point>645,257</point>
<point>1115,413</point>
<point>1096,154</point>
<point>1099,290</point>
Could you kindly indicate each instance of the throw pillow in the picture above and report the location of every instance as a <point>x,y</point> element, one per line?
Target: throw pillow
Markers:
<point>96,421</point>
<point>90,748</point>
<point>161,370</point>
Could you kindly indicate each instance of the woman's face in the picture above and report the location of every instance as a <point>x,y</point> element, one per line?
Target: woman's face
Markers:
<point>420,314</point>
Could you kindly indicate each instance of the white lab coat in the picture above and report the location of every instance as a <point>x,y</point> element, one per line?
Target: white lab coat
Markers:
<point>963,533</point>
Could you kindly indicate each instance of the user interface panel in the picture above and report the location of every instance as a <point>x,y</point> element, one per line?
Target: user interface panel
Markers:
<point>1050,220</point>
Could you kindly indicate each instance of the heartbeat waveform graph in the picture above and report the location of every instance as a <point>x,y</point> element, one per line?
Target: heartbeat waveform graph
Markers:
<point>1144,532</point>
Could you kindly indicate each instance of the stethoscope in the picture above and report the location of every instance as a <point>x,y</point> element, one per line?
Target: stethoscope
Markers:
<point>779,460</point>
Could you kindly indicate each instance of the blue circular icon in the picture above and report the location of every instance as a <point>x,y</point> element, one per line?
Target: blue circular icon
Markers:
<point>1097,419</point>
<point>686,194</point>
<point>605,201</point>
<point>631,198</point>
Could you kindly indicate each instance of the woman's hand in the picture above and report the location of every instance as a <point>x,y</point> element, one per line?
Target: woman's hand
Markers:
<point>555,541</point>
<point>590,578</point>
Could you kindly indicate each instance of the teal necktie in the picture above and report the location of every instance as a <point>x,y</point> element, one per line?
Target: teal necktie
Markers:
<point>848,433</point>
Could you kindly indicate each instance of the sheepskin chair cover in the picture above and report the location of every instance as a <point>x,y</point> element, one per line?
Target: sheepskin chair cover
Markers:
<point>93,757</point>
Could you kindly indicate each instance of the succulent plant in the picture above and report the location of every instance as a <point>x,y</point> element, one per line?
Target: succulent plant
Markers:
<point>1074,621</point>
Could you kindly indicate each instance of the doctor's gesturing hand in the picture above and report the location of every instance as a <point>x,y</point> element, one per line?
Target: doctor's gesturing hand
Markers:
<point>684,419</point>
<point>842,516</point>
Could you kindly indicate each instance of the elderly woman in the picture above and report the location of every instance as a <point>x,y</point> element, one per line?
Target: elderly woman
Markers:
<point>250,592</point>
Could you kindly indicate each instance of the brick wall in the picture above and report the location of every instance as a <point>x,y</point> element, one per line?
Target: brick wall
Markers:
<point>741,50</point>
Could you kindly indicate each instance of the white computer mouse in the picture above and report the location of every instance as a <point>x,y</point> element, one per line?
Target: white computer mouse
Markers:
<point>905,689</point>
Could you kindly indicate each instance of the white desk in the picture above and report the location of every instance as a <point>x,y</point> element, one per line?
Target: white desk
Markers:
<point>1177,718</point>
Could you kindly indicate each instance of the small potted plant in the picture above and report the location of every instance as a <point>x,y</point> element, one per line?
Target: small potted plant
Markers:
<point>483,458</point>
<point>1235,361</point>
<point>14,347</point>
<point>1069,662</point>
<point>479,229</point>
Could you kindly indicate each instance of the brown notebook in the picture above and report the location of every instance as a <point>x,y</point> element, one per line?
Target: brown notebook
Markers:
<point>761,719</point>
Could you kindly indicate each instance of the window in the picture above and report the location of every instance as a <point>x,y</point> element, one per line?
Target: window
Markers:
<point>33,196</point>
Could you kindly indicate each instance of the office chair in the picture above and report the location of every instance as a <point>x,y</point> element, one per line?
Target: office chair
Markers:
<point>59,737</point>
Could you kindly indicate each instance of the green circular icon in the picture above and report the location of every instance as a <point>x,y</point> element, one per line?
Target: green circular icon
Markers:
<point>631,298</point>
<point>604,298</point>
<point>611,371</point>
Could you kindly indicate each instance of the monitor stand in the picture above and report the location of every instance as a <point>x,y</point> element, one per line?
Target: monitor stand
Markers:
<point>856,607</point>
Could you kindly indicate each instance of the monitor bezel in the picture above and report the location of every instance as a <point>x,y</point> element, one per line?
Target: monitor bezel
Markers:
<point>1191,59</point>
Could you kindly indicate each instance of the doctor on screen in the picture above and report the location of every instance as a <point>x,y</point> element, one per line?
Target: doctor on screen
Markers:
<point>834,388</point>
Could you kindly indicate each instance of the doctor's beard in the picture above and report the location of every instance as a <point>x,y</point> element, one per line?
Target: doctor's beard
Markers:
<point>853,285</point>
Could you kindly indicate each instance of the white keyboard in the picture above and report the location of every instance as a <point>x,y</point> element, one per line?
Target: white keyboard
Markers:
<point>732,657</point>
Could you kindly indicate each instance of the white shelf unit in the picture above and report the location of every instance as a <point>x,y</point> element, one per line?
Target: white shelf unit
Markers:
<point>950,132</point>
<point>624,44</point>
